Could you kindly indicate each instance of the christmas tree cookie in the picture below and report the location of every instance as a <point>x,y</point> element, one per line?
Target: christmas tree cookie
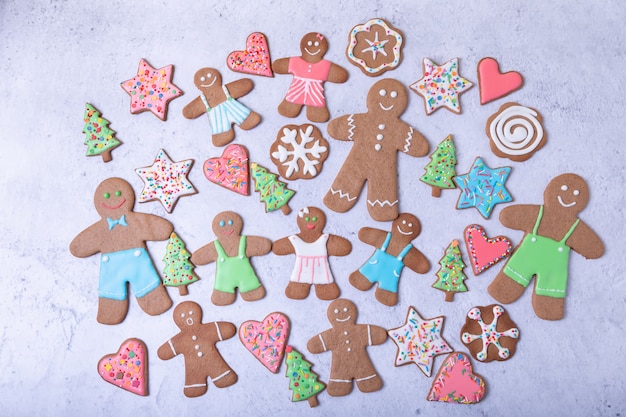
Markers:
<point>178,271</point>
<point>450,275</point>
<point>274,193</point>
<point>440,169</point>
<point>304,383</point>
<point>100,140</point>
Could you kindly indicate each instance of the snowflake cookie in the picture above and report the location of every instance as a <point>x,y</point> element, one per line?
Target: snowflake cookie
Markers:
<point>489,333</point>
<point>299,152</point>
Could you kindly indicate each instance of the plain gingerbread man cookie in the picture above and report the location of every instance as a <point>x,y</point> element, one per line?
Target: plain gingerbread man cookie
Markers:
<point>120,236</point>
<point>550,232</point>
<point>394,252</point>
<point>310,71</point>
<point>220,103</point>
<point>312,248</point>
<point>348,342</point>
<point>378,136</point>
<point>196,342</point>
<point>232,252</point>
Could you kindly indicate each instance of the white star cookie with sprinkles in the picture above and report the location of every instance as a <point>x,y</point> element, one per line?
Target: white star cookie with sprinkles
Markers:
<point>419,341</point>
<point>166,181</point>
<point>489,333</point>
<point>441,86</point>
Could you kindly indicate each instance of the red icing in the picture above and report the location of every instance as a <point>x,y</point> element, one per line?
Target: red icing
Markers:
<point>456,382</point>
<point>493,84</point>
<point>255,59</point>
<point>127,368</point>
<point>485,252</point>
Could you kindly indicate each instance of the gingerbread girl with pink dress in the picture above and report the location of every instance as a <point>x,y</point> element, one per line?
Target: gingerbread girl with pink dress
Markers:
<point>310,71</point>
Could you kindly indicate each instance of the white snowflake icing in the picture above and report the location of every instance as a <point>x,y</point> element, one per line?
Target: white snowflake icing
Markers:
<point>295,151</point>
<point>489,333</point>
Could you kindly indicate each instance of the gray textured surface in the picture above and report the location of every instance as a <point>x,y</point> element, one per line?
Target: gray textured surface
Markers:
<point>57,55</point>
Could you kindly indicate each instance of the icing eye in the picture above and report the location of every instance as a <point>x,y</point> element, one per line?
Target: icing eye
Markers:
<point>191,313</point>
<point>563,187</point>
<point>309,43</point>
<point>222,224</point>
<point>316,43</point>
<point>576,192</point>
<point>410,224</point>
<point>203,79</point>
<point>382,93</point>
<point>107,195</point>
<point>182,315</point>
<point>230,222</point>
<point>393,94</point>
<point>336,311</point>
<point>403,221</point>
<point>118,193</point>
<point>306,219</point>
<point>345,309</point>
<point>208,75</point>
<point>314,219</point>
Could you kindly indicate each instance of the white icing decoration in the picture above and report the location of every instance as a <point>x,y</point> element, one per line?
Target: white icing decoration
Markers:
<point>516,131</point>
<point>489,335</point>
<point>290,157</point>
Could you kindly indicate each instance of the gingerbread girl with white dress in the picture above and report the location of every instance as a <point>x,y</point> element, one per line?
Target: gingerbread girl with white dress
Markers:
<point>378,136</point>
<point>312,248</point>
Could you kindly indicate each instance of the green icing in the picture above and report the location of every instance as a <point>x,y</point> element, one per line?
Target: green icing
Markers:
<point>98,137</point>
<point>440,170</point>
<point>302,381</point>
<point>178,269</point>
<point>274,193</point>
<point>450,275</point>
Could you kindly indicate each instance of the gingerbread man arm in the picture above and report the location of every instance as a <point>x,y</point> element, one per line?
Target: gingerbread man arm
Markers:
<point>257,246</point>
<point>225,329</point>
<point>194,109</point>
<point>586,242</point>
<point>337,74</point>
<point>413,143</point>
<point>205,255</point>
<point>281,66</point>
<point>416,261</point>
<point>341,128</point>
<point>520,217</point>
<point>338,246</point>
<point>371,236</point>
<point>88,242</point>
<point>153,227</point>
<point>167,350</point>
<point>319,343</point>
<point>283,247</point>
<point>376,334</point>
<point>240,88</point>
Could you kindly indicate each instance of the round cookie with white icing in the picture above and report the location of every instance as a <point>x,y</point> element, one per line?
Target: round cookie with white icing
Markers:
<point>515,132</point>
<point>375,47</point>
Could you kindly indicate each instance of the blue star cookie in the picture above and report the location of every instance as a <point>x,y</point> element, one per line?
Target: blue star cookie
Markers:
<point>483,188</point>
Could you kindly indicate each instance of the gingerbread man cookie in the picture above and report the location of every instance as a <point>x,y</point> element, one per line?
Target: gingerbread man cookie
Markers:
<point>550,231</point>
<point>348,342</point>
<point>220,103</point>
<point>120,236</point>
<point>196,342</point>
<point>232,252</point>
<point>310,71</point>
<point>394,252</point>
<point>378,136</point>
<point>312,248</point>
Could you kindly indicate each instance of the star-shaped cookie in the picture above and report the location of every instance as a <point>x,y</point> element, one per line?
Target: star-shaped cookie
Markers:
<point>441,86</point>
<point>419,341</point>
<point>483,188</point>
<point>151,89</point>
<point>165,181</point>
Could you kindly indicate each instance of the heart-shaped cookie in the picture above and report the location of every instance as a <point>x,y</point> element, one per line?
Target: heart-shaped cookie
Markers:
<point>485,252</point>
<point>456,383</point>
<point>128,367</point>
<point>230,170</point>
<point>494,84</point>
<point>255,59</point>
<point>266,339</point>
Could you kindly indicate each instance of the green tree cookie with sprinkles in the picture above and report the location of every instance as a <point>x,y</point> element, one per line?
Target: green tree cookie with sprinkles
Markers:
<point>100,140</point>
<point>440,170</point>
<point>274,193</point>
<point>178,269</point>
<point>302,381</point>
<point>450,275</point>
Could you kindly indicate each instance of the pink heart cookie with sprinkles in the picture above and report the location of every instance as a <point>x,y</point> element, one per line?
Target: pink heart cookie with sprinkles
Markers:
<point>494,84</point>
<point>456,382</point>
<point>484,252</point>
<point>230,170</point>
<point>128,367</point>
<point>266,339</point>
<point>255,59</point>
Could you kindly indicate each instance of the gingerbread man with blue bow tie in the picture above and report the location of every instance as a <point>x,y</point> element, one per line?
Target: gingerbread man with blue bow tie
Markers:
<point>120,236</point>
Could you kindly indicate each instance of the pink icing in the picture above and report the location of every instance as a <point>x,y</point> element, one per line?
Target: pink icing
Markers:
<point>485,252</point>
<point>266,340</point>
<point>255,59</point>
<point>493,84</point>
<point>456,383</point>
<point>127,368</point>
<point>230,170</point>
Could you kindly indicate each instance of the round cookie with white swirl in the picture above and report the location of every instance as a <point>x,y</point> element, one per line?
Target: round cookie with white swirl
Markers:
<point>515,132</point>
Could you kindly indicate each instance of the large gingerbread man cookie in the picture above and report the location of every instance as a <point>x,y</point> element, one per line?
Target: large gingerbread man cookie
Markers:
<point>378,135</point>
<point>219,101</point>
<point>394,251</point>
<point>120,236</point>
<point>232,251</point>
<point>196,342</point>
<point>310,70</point>
<point>551,231</point>
<point>348,342</point>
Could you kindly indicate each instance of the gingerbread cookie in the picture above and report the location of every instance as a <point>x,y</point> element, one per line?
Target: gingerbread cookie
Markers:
<point>394,251</point>
<point>489,333</point>
<point>515,132</point>
<point>375,47</point>
<point>230,170</point>
<point>302,381</point>
<point>274,193</point>
<point>450,276</point>
<point>178,271</point>
<point>197,341</point>
<point>232,251</point>
<point>299,152</point>
<point>456,382</point>
<point>378,135</point>
<point>266,339</point>
<point>494,84</point>
<point>441,86</point>
<point>120,236</point>
<point>219,102</point>
<point>128,367</point>
<point>312,248</point>
<point>151,89</point>
<point>310,70</point>
<point>255,59</point>
<point>441,169</point>
<point>348,342</point>
<point>485,252</point>
<point>551,231</point>
<point>483,187</point>
<point>99,138</point>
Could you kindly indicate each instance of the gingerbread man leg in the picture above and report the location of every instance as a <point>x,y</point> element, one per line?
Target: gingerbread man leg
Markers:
<point>504,289</point>
<point>345,189</point>
<point>297,290</point>
<point>327,291</point>
<point>111,311</point>
<point>251,121</point>
<point>156,301</point>
<point>388,298</point>
<point>223,376</point>
<point>338,386</point>
<point>224,138</point>
<point>317,114</point>
<point>359,281</point>
<point>369,383</point>
<point>221,298</point>
<point>548,308</point>
<point>254,295</point>
<point>289,109</point>
<point>382,197</point>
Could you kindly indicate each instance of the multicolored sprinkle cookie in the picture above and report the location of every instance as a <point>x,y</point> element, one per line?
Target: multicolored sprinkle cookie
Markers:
<point>266,339</point>
<point>441,86</point>
<point>483,188</point>
<point>255,59</point>
<point>230,170</point>
<point>127,368</point>
<point>489,333</point>
<point>456,382</point>
<point>375,47</point>
<point>99,138</point>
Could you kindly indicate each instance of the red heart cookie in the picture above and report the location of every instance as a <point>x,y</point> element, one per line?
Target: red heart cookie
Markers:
<point>485,252</point>
<point>255,59</point>
<point>456,383</point>
<point>230,170</point>
<point>493,84</point>
<point>127,368</point>
<point>267,339</point>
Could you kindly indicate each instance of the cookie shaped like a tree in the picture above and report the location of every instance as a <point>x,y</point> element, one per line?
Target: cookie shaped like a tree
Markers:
<point>178,269</point>
<point>99,138</point>
<point>440,170</point>
<point>450,275</point>
<point>274,193</point>
<point>302,381</point>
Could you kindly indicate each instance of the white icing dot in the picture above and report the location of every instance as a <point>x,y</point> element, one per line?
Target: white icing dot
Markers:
<point>381,126</point>
<point>336,311</point>
<point>349,349</point>
<point>345,332</point>
<point>383,92</point>
<point>199,354</point>
<point>533,239</point>
<point>221,259</point>
<point>347,341</point>
<point>345,309</point>
<point>380,136</point>
<point>576,192</point>
<point>105,259</point>
<point>560,249</point>
<point>197,347</point>
<point>377,147</point>
<point>394,94</point>
<point>137,253</point>
<point>194,337</point>
<point>564,187</point>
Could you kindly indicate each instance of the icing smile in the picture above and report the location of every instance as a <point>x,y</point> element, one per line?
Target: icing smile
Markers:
<point>404,233</point>
<point>310,226</point>
<point>228,232</point>
<point>209,85</point>
<point>385,108</point>
<point>312,53</point>
<point>561,202</point>
<point>114,207</point>
<point>342,320</point>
